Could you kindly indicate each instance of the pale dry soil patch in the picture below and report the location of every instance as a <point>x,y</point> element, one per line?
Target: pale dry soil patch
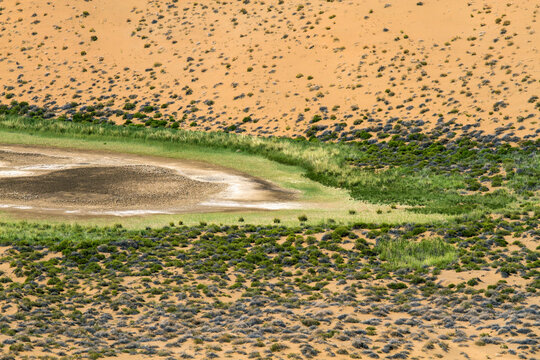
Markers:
<point>86,183</point>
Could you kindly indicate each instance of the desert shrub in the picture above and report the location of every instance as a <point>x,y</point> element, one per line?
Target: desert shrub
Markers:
<point>278,347</point>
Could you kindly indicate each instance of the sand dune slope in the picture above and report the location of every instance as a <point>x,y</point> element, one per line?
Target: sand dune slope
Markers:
<point>321,68</point>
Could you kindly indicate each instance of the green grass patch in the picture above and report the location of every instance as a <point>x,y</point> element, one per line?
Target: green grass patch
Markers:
<point>320,203</point>
<point>425,188</point>
<point>402,253</point>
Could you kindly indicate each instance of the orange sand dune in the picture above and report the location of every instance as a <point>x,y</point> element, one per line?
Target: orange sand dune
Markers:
<point>270,67</point>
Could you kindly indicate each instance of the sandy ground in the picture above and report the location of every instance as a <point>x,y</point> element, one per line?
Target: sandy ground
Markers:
<point>269,68</point>
<point>191,310</point>
<point>72,182</point>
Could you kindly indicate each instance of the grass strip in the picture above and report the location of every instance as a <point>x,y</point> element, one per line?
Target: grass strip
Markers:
<point>330,164</point>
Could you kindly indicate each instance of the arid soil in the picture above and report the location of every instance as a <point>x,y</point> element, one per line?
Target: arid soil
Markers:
<point>91,183</point>
<point>330,69</point>
<point>118,187</point>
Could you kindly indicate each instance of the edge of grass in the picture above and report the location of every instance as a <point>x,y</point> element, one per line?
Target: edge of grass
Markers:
<point>327,164</point>
<point>323,203</point>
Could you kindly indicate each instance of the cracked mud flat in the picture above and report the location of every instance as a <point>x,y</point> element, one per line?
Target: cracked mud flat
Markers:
<point>84,183</point>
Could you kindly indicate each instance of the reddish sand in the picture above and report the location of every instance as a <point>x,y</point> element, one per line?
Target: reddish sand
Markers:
<point>216,63</point>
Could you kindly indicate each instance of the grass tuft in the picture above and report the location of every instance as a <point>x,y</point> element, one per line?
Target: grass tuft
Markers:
<point>401,253</point>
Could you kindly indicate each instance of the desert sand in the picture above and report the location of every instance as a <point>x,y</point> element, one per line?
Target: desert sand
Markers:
<point>331,69</point>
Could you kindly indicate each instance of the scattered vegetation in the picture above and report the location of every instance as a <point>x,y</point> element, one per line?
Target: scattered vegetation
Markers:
<point>225,277</point>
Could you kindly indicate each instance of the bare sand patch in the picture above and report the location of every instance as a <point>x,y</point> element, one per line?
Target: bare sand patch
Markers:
<point>483,277</point>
